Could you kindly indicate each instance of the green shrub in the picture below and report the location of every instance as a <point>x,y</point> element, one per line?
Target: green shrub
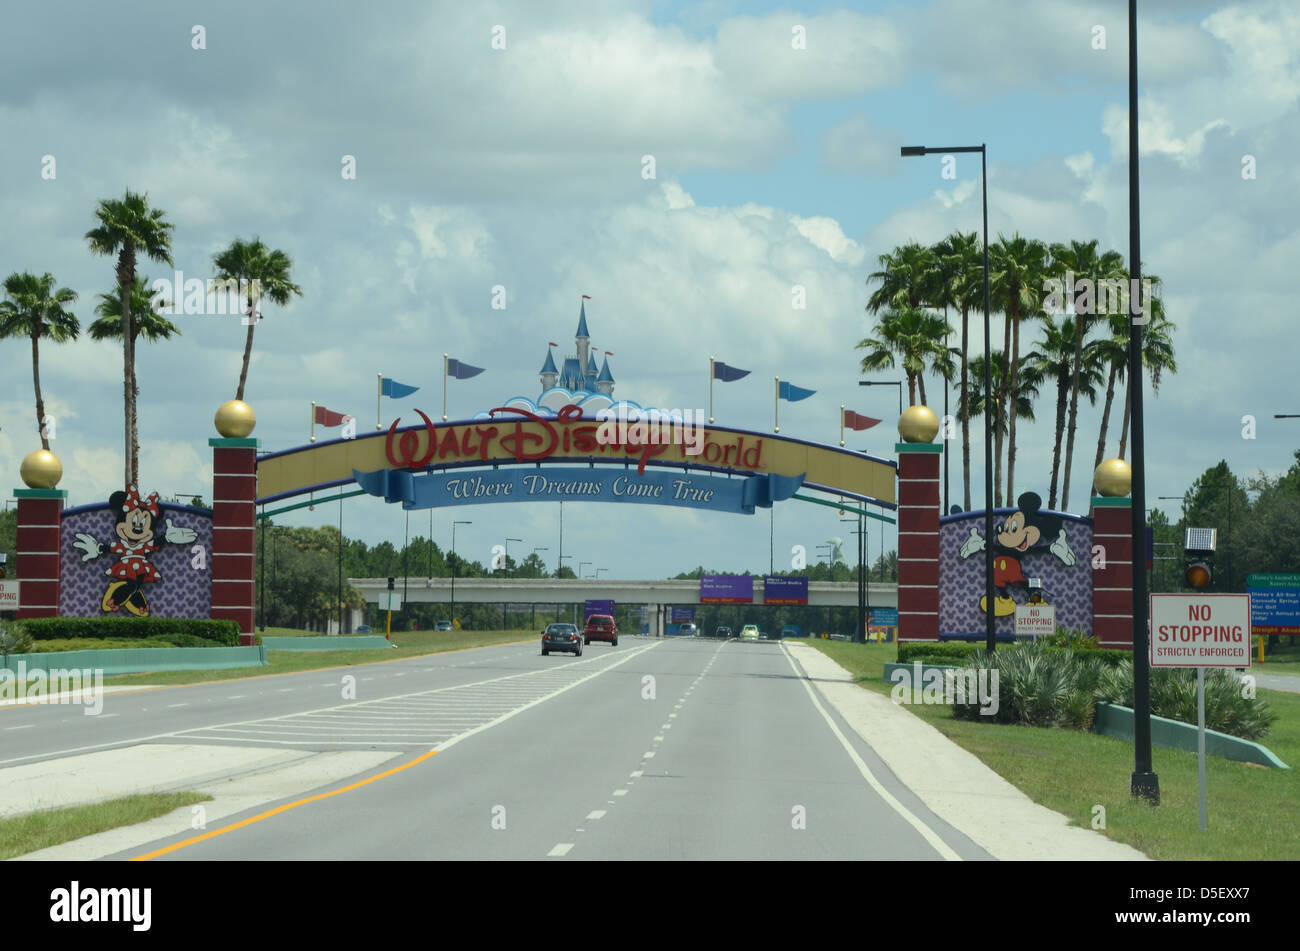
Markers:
<point>224,633</point>
<point>1067,637</point>
<point>14,639</point>
<point>1173,696</point>
<point>950,651</point>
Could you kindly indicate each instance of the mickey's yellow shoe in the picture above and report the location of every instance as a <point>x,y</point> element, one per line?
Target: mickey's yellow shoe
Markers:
<point>1002,607</point>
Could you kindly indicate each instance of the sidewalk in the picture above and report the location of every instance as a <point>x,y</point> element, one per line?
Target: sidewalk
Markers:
<point>953,783</point>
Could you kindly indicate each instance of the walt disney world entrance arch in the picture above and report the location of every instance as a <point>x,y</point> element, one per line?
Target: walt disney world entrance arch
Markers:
<point>519,456</point>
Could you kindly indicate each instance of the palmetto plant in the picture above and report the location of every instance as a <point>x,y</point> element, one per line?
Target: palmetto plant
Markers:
<point>264,272</point>
<point>128,227</point>
<point>33,308</point>
<point>1173,696</point>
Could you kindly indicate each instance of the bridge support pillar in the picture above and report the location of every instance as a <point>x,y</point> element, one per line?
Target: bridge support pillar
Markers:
<point>234,532</point>
<point>918,541</point>
<point>1112,584</point>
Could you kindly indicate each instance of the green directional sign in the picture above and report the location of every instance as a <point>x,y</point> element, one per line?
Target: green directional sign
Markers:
<point>1268,580</point>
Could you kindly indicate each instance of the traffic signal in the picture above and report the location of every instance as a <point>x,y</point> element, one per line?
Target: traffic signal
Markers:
<point>391,583</point>
<point>1198,573</point>
<point>1198,552</point>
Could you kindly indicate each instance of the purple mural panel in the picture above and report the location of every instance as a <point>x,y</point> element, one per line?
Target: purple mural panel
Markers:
<point>727,589</point>
<point>1068,587</point>
<point>183,586</point>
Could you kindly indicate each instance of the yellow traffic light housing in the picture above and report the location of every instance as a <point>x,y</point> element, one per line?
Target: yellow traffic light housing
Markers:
<point>1198,575</point>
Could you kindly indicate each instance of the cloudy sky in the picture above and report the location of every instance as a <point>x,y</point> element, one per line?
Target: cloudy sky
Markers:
<point>523,167</point>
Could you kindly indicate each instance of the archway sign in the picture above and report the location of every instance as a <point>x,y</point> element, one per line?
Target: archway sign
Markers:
<point>517,456</point>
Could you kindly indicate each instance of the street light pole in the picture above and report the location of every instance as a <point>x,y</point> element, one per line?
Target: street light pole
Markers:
<point>990,620</point>
<point>453,570</point>
<point>1144,782</point>
<point>896,383</point>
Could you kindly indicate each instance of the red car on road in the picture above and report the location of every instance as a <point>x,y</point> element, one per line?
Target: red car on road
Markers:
<point>600,627</point>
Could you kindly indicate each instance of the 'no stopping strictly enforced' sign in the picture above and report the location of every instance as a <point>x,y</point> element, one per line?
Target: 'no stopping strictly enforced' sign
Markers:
<point>1200,630</point>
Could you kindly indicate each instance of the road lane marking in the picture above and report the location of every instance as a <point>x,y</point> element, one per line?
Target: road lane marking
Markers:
<point>620,792</point>
<point>940,846</point>
<point>596,814</point>
<point>659,739</point>
<point>636,773</point>
<point>560,850</point>
<point>649,755</point>
<point>173,706</point>
<point>25,726</point>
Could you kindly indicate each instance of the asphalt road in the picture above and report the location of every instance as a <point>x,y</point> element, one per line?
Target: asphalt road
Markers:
<point>672,749</point>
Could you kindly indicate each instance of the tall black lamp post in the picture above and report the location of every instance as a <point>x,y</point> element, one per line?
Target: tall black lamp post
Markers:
<point>990,620</point>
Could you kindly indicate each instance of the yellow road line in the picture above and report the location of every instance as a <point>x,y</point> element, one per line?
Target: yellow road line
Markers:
<point>278,809</point>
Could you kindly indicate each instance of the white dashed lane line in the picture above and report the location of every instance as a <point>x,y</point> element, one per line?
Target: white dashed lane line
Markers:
<point>560,850</point>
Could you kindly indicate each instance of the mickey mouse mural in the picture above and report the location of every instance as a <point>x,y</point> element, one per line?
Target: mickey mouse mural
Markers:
<point>1027,531</point>
<point>136,540</point>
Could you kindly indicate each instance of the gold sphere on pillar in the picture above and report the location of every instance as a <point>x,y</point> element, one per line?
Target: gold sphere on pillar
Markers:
<point>235,419</point>
<point>918,424</point>
<point>1113,478</point>
<point>41,469</point>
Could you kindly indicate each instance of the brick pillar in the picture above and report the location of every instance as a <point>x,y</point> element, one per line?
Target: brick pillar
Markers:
<point>234,530</point>
<point>40,514</point>
<point>918,541</point>
<point>1112,586</point>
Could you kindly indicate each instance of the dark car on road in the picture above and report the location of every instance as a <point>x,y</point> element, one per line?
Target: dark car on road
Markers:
<point>562,637</point>
<point>722,632</point>
<point>600,627</point>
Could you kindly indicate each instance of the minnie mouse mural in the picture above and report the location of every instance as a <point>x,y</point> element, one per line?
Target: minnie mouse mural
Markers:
<point>136,541</point>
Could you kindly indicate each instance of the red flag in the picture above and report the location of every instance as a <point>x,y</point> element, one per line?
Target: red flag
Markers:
<point>609,353</point>
<point>327,417</point>
<point>858,423</point>
<point>586,297</point>
<point>549,344</point>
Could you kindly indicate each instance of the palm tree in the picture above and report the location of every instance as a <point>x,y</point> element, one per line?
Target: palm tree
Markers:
<point>914,336</point>
<point>1157,357</point>
<point>128,227</point>
<point>1082,258</point>
<point>1018,265</point>
<point>145,321</point>
<point>1031,379</point>
<point>1056,361</point>
<point>265,272</point>
<point>905,278</point>
<point>962,262</point>
<point>33,308</point>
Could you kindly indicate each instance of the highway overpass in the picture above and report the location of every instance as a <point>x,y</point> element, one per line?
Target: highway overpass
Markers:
<point>655,595</point>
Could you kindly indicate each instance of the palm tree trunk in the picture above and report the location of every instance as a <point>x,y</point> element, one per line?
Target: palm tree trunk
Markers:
<point>36,382</point>
<point>920,383</point>
<point>1062,393</point>
<point>997,453</point>
<point>248,350</point>
<point>911,389</point>
<point>125,280</point>
<point>1123,433</point>
<point>965,406</point>
<point>1074,409</point>
<point>135,421</point>
<point>1105,419</point>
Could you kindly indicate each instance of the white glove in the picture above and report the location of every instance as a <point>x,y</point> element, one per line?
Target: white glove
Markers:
<point>87,543</point>
<point>972,544</point>
<point>179,536</point>
<point>1061,550</point>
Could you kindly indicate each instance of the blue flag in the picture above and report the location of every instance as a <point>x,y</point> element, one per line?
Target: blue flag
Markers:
<point>395,390</point>
<point>789,391</point>
<point>727,374</point>
<point>461,371</point>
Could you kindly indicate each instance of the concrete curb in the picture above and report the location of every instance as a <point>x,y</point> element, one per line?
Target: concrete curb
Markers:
<point>1116,721</point>
<point>955,784</point>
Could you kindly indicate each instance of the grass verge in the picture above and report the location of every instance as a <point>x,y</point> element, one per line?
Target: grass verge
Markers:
<point>40,830</point>
<point>409,644</point>
<point>1248,806</point>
